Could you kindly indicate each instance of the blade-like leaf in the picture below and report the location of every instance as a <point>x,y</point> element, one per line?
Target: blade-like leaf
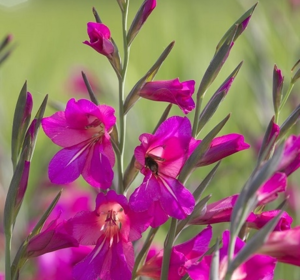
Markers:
<point>133,95</point>
<point>31,134</point>
<point>200,151</point>
<point>96,15</point>
<point>89,88</point>
<point>241,23</point>
<point>289,122</point>
<point>277,88</point>
<point>20,123</point>
<point>130,174</point>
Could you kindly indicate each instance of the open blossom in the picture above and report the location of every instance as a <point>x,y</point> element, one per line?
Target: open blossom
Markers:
<point>111,228</point>
<point>160,158</point>
<point>173,91</point>
<point>258,267</point>
<point>182,257</point>
<point>83,132</point>
<point>99,38</point>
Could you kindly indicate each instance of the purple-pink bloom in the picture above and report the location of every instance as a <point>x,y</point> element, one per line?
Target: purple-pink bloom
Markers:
<point>112,227</point>
<point>160,158</point>
<point>258,267</point>
<point>59,265</point>
<point>83,131</point>
<point>258,221</point>
<point>173,91</point>
<point>284,246</point>
<point>291,155</point>
<point>223,146</point>
<point>182,257</point>
<point>268,192</point>
<point>99,38</point>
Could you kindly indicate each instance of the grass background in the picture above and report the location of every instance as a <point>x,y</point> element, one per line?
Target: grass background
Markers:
<point>48,38</point>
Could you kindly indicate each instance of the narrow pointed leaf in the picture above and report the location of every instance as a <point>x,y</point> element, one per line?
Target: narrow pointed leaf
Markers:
<point>289,122</point>
<point>31,134</point>
<point>96,15</point>
<point>115,59</point>
<point>210,109</point>
<point>254,244</point>
<point>203,185</point>
<point>20,123</point>
<point>297,74</point>
<point>241,23</point>
<point>130,174</point>
<point>216,99</point>
<point>5,41</point>
<point>10,208</point>
<point>200,151</point>
<point>38,227</point>
<point>163,117</point>
<point>133,95</point>
<point>198,208</point>
<point>89,88</point>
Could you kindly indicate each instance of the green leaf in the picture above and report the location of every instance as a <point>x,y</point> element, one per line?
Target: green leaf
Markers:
<point>216,99</point>
<point>133,96</point>
<point>96,15</point>
<point>31,134</point>
<point>240,23</point>
<point>289,122</point>
<point>38,227</point>
<point>200,151</point>
<point>89,88</point>
<point>20,123</point>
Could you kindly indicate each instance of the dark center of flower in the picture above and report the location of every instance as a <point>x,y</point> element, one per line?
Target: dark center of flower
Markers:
<point>151,164</point>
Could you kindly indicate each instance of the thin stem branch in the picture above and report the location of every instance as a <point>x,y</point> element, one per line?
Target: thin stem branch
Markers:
<point>8,236</point>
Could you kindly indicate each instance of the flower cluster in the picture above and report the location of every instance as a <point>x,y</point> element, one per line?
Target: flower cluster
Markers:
<point>103,243</point>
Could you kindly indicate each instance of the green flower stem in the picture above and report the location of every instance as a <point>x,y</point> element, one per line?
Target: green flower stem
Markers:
<point>168,249</point>
<point>142,254</point>
<point>8,235</point>
<point>122,117</point>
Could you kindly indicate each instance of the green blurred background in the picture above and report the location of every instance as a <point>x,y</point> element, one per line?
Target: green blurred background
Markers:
<point>48,38</point>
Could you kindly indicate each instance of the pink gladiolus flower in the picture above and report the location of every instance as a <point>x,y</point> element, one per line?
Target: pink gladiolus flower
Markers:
<point>291,155</point>
<point>257,221</point>
<point>83,131</point>
<point>182,257</point>
<point>171,91</point>
<point>160,158</point>
<point>59,265</point>
<point>269,190</point>
<point>284,246</point>
<point>223,146</point>
<point>258,267</point>
<point>111,227</point>
<point>99,38</point>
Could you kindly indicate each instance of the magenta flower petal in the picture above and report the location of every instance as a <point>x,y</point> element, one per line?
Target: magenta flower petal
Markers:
<point>99,38</point>
<point>257,221</point>
<point>106,262</point>
<point>223,146</point>
<point>67,165</point>
<point>83,129</point>
<point>171,91</point>
<point>270,189</point>
<point>284,246</point>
